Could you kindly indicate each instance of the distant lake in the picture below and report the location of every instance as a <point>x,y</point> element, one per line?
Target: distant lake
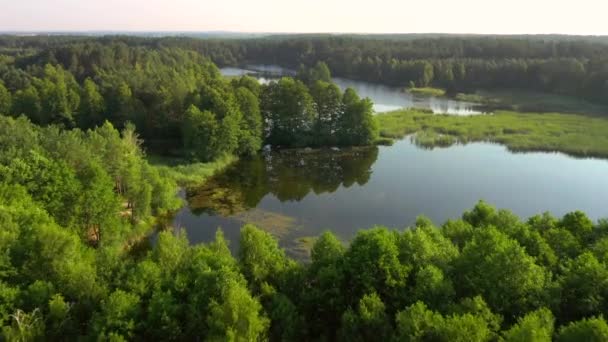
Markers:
<point>385,98</point>
<point>299,193</point>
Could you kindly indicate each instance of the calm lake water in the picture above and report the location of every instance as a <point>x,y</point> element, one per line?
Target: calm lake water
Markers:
<point>385,98</point>
<point>298,193</point>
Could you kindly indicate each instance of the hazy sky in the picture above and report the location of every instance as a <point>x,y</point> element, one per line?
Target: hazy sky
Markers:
<point>373,16</point>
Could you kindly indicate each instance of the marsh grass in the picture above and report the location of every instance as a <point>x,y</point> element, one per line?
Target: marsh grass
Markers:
<point>532,101</point>
<point>576,135</point>
<point>427,91</point>
<point>188,174</point>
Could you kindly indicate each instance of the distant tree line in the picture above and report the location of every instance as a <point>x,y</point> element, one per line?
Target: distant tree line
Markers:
<point>559,64</point>
<point>576,66</point>
<point>177,99</point>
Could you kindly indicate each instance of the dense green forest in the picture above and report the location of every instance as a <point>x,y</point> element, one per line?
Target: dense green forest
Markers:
<point>81,257</point>
<point>460,63</point>
<point>73,204</point>
<point>178,100</point>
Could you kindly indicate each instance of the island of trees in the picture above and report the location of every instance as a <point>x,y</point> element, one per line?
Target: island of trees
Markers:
<point>78,198</point>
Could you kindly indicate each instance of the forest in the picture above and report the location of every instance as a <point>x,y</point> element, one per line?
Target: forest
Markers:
<point>74,205</point>
<point>459,63</point>
<point>178,100</point>
<point>83,255</point>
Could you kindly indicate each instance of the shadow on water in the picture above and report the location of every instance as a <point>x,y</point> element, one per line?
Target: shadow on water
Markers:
<point>289,175</point>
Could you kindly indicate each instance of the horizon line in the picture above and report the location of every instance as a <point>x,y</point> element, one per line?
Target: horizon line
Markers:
<point>296,32</point>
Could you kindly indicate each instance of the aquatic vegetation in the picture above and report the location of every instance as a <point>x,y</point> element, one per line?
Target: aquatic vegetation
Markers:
<point>427,91</point>
<point>277,224</point>
<point>577,135</point>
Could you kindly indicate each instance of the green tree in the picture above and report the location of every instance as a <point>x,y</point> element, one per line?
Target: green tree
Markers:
<point>534,326</point>
<point>237,317</point>
<point>328,101</point>
<point>261,259</point>
<point>92,105</point>
<point>358,125</point>
<point>593,329</point>
<point>118,316</point>
<point>372,265</point>
<point>578,224</point>
<point>200,132</point>
<point>27,102</point>
<point>5,100</point>
<point>584,287</point>
<point>251,129</point>
<point>484,262</point>
<point>368,322</point>
<point>289,112</point>
<point>99,206</point>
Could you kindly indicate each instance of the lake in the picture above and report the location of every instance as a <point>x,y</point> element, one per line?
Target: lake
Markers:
<point>385,98</point>
<point>301,193</point>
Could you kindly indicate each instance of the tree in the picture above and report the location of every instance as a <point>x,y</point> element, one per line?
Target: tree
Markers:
<point>593,329</point>
<point>326,251</point>
<point>92,105</point>
<point>320,72</point>
<point>117,316</point>
<point>27,102</point>
<point>534,326</point>
<point>484,262</point>
<point>323,301</point>
<point>578,224</point>
<point>417,323</point>
<point>425,245</point>
<point>432,287</point>
<point>50,182</point>
<point>372,265</point>
<point>358,126</point>
<point>369,322</point>
<point>328,101</point>
<point>584,287</point>
<point>5,100</point>
<point>58,94</point>
<point>200,132</point>
<point>99,206</point>
<point>261,259</point>
<point>289,112</point>
<point>251,129</point>
<point>237,317</point>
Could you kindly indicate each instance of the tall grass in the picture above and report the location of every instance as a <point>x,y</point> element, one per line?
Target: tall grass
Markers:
<point>427,91</point>
<point>186,173</point>
<point>577,135</point>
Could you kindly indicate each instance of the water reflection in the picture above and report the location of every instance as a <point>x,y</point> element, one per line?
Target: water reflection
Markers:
<point>289,175</point>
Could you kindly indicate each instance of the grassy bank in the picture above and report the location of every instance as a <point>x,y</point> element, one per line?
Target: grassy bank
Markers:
<point>427,91</point>
<point>531,101</point>
<point>186,173</point>
<point>573,134</point>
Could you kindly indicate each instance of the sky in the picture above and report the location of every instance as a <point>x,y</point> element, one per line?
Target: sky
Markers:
<point>587,17</point>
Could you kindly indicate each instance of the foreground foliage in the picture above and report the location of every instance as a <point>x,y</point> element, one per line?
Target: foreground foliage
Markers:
<point>73,202</point>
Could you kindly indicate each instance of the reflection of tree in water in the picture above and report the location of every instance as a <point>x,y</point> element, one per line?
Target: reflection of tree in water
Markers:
<point>290,175</point>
